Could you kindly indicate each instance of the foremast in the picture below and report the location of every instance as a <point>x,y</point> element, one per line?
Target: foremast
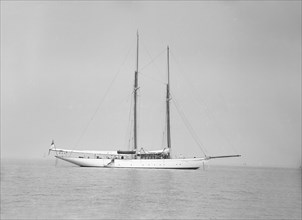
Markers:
<point>135,97</point>
<point>168,98</point>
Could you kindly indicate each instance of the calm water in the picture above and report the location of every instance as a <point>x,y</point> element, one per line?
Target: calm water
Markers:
<point>38,189</point>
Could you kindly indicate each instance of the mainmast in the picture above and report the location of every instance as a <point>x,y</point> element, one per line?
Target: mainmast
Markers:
<point>135,97</point>
<point>168,98</point>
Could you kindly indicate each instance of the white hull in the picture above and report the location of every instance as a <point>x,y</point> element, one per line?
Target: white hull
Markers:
<point>189,163</point>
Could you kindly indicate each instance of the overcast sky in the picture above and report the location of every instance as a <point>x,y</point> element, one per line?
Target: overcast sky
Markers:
<point>235,73</point>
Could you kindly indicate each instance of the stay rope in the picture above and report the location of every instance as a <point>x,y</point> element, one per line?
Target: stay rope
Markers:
<point>188,126</point>
<point>103,98</point>
<point>152,59</point>
<point>204,105</point>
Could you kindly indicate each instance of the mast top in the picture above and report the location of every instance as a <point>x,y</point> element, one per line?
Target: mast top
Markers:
<point>137,44</point>
<point>168,66</point>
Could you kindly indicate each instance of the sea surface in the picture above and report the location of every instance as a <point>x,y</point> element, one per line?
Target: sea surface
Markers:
<point>37,189</point>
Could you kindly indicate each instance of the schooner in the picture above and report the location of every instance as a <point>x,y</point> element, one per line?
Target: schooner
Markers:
<point>135,158</point>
